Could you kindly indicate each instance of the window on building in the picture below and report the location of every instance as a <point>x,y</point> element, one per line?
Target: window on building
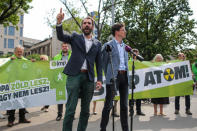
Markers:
<point>21,42</point>
<point>5,31</point>
<point>21,19</point>
<point>10,53</point>
<point>1,53</point>
<point>21,31</point>
<point>10,43</point>
<point>5,42</point>
<point>11,30</point>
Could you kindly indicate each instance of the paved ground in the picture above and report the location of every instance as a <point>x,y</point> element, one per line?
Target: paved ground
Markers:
<point>41,121</point>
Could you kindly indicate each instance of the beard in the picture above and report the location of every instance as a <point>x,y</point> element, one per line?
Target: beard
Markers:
<point>64,51</point>
<point>87,31</point>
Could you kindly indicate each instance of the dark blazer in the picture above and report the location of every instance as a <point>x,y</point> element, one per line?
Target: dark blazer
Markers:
<point>79,54</point>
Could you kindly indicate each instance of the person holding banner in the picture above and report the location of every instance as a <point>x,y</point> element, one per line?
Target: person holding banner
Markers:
<point>18,54</point>
<point>137,101</point>
<point>86,51</point>
<point>182,57</point>
<point>160,101</point>
<point>64,55</point>
<point>44,58</point>
<point>120,64</point>
<point>194,74</point>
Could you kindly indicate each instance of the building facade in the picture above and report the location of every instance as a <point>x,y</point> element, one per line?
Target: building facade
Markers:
<point>10,37</point>
<point>49,47</point>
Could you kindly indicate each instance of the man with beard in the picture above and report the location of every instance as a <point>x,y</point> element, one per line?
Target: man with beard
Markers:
<point>64,55</point>
<point>80,71</point>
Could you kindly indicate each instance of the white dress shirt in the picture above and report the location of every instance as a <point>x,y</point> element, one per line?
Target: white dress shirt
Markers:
<point>88,45</point>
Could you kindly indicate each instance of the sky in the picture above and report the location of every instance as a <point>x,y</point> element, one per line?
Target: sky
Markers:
<point>35,23</point>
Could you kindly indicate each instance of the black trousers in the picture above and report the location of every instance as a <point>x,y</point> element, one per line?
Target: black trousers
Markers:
<point>138,105</point>
<point>122,85</point>
<point>11,115</point>
<point>187,102</point>
<point>60,109</point>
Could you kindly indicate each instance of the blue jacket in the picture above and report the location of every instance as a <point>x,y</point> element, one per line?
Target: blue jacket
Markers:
<point>79,54</point>
<point>115,59</point>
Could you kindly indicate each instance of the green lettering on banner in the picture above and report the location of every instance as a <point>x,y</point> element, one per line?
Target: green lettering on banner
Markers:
<point>25,75</point>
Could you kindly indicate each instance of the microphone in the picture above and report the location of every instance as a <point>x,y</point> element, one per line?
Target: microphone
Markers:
<point>108,48</point>
<point>129,49</point>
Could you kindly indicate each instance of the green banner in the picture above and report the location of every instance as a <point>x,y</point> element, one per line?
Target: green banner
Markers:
<point>27,84</point>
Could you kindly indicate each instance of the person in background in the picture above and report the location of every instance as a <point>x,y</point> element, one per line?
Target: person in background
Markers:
<point>182,57</point>
<point>159,101</point>
<point>194,74</point>
<point>64,55</point>
<point>94,108</point>
<point>137,101</point>
<point>44,58</point>
<point>18,54</point>
<point>115,114</point>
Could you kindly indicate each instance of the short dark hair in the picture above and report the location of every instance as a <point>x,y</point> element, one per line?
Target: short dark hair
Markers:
<point>64,43</point>
<point>88,17</point>
<point>116,27</point>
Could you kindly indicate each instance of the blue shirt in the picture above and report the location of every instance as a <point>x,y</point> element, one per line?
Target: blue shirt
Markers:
<point>64,58</point>
<point>121,51</point>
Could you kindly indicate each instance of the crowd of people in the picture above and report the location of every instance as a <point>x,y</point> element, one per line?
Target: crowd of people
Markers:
<point>87,52</point>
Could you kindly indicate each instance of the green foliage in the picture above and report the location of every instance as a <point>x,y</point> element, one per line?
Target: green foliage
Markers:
<point>5,55</point>
<point>101,17</point>
<point>161,26</point>
<point>106,32</point>
<point>191,54</point>
<point>33,56</point>
<point>10,10</point>
<point>70,25</point>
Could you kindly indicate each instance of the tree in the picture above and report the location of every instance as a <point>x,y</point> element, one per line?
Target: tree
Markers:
<point>69,24</point>
<point>103,14</point>
<point>10,10</point>
<point>158,26</point>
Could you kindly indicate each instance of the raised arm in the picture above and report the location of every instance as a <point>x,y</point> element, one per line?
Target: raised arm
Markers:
<point>60,35</point>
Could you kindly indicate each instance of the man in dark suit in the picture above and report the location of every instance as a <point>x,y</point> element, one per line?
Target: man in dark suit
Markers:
<point>120,69</point>
<point>86,51</point>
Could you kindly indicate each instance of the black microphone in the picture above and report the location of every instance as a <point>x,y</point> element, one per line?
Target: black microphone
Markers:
<point>108,48</point>
<point>129,49</point>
